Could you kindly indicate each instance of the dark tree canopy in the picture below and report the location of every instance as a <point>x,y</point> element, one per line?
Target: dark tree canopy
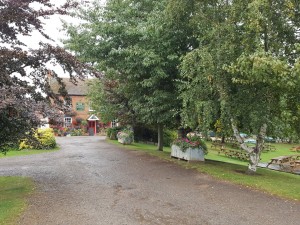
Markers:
<point>25,94</point>
<point>138,45</point>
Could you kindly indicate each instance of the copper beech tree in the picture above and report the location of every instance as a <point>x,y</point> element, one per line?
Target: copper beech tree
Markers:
<point>25,93</point>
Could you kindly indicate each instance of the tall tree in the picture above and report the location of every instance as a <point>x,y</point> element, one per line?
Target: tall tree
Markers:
<point>134,44</point>
<point>25,93</point>
<point>246,65</point>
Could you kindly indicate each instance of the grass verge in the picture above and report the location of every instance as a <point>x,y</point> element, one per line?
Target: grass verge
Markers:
<point>12,153</point>
<point>13,193</point>
<point>281,184</point>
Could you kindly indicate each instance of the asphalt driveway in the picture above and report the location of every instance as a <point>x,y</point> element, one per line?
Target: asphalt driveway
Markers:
<point>90,182</point>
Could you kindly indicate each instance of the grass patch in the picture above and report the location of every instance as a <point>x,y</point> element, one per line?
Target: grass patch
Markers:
<point>13,193</point>
<point>12,153</point>
<point>281,184</point>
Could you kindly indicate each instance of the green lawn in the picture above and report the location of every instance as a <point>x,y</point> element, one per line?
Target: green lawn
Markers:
<point>281,184</point>
<point>14,190</point>
<point>13,193</point>
<point>11,153</point>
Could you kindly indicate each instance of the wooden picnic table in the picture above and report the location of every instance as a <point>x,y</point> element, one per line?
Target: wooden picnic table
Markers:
<point>268,147</point>
<point>217,144</point>
<point>295,149</point>
<point>295,164</point>
<point>235,145</point>
<point>281,160</point>
<point>240,154</point>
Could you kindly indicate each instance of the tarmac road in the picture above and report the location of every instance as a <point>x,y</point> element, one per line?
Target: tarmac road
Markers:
<point>90,182</point>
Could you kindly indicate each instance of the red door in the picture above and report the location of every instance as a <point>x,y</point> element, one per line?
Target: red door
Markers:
<point>92,128</point>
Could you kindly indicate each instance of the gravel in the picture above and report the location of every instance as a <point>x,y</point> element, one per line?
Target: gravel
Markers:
<point>90,182</point>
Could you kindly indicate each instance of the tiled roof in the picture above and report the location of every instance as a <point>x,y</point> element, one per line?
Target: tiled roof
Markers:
<point>80,88</point>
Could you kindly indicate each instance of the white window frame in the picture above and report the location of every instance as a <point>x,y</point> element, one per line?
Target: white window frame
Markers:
<point>114,123</point>
<point>90,107</point>
<point>67,121</point>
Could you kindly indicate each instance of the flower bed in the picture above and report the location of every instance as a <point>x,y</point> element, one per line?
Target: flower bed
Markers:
<point>190,154</point>
<point>191,148</point>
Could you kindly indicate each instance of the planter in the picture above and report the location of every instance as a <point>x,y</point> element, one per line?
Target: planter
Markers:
<point>125,141</point>
<point>190,154</point>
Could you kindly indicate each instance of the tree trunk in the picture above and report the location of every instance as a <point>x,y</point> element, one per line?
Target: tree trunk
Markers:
<point>223,139</point>
<point>254,153</point>
<point>160,140</point>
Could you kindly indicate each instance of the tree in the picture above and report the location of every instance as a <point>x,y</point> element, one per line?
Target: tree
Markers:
<point>245,67</point>
<point>25,94</point>
<point>134,44</point>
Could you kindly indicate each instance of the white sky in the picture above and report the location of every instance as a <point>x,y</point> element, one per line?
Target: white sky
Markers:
<point>53,28</point>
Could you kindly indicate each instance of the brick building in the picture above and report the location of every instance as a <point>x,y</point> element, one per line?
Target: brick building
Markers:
<point>81,114</point>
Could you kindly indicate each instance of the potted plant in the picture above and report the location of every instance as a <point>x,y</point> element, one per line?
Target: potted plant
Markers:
<point>125,136</point>
<point>191,148</point>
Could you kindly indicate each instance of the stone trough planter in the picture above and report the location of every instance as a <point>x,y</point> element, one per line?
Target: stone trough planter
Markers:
<point>190,154</point>
<point>125,141</point>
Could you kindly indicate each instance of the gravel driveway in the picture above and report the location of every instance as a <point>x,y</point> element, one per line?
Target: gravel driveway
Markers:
<point>89,182</point>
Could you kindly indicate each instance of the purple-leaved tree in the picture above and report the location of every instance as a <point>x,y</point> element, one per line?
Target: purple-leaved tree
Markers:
<point>25,94</point>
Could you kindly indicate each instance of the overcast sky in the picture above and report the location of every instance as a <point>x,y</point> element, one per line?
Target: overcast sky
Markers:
<point>52,27</point>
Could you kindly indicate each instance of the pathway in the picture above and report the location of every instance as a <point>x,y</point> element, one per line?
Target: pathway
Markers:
<point>89,182</point>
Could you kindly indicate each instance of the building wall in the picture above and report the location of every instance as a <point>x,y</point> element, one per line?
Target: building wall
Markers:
<point>80,109</point>
<point>85,112</point>
<point>76,102</point>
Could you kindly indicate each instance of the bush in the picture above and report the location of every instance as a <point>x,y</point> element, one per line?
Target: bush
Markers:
<point>76,132</point>
<point>169,137</point>
<point>46,138</point>
<point>146,133</point>
<point>112,132</point>
<point>9,146</point>
<point>25,144</point>
<point>42,139</point>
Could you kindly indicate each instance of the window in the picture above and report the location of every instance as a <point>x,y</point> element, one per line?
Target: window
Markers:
<point>114,123</point>
<point>68,121</point>
<point>79,106</point>
<point>90,107</point>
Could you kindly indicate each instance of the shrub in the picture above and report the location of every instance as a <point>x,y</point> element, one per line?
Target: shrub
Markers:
<point>46,138</point>
<point>148,133</point>
<point>144,133</point>
<point>24,144</point>
<point>9,146</point>
<point>42,139</point>
<point>169,137</point>
<point>112,132</point>
<point>76,132</point>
